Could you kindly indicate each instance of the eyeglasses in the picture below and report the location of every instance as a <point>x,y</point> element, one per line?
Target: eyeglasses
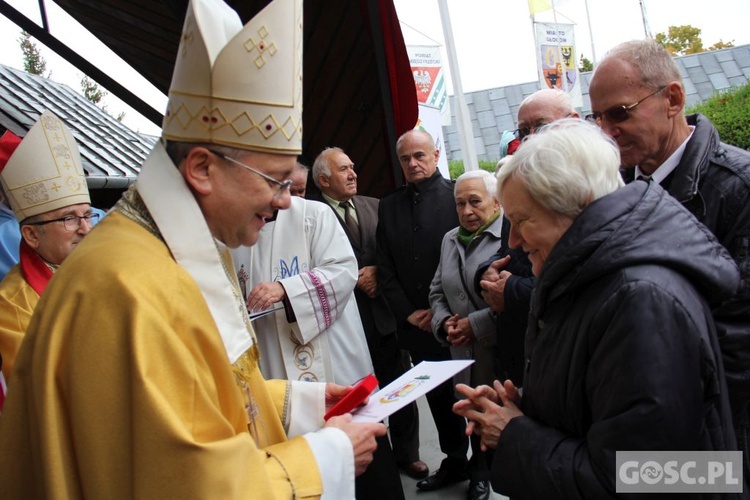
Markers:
<point>618,114</point>
<point>282,185</point>
<point>71,223</point>
<point>523,132</point>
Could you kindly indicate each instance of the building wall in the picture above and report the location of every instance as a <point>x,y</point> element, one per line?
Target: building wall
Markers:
<point>493,111</point>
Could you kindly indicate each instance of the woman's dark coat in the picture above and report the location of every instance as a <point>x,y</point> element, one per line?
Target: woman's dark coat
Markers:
<point>621,349</point>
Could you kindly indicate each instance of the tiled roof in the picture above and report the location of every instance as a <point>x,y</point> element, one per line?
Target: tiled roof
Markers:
<point>111,153</point>
<point>493,111</point>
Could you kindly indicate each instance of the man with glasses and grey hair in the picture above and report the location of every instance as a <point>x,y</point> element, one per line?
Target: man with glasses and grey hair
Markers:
<point>638,99</point>
<point>46,188</point>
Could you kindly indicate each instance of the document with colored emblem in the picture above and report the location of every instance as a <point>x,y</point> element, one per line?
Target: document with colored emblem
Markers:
<point>417,382</point>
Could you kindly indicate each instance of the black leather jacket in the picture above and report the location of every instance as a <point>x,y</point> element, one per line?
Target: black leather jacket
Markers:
<point>712,180</point>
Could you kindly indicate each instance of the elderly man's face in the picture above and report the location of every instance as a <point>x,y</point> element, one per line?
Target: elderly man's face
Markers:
<point>534,227</point>
<point>341,185</point>
<point>299,183</point>
<point>643,138</point>
<point>474,204</point>
<point>54,241</point>
<point>417,156</point>
<point>536,114</point>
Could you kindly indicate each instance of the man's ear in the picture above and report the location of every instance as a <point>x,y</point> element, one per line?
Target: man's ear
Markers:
<point>197,169</point>
<point>675,93</point>
<point>324,181</point>
<point>30,235</point>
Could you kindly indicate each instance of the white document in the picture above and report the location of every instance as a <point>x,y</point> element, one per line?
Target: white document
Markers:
<point>417,382</point>
<point>260,314</point>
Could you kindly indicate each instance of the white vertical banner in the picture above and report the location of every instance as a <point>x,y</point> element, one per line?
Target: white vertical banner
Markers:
<point>429,78</point>
<point>429,121</point>
<point>556,59</point>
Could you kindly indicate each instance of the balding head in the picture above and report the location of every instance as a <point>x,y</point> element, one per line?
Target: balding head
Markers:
<point>542,108</point>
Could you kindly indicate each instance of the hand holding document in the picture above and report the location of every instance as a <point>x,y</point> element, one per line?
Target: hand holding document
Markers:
<point>260,314</point>
<point>417,382</point>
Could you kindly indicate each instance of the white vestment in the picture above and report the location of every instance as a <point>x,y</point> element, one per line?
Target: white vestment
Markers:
<point>306,250</point>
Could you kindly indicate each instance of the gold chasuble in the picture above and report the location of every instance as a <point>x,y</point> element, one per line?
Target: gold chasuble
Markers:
<point>133,396</point>
<point>17,303</point>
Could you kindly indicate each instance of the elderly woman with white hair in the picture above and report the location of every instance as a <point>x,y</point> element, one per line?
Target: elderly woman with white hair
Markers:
<point>460,317</point>
<point>621,349</point>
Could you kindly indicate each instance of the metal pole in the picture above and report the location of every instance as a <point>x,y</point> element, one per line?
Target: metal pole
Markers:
<point>591,33</point>
<point>646,27</point>
<point>465,130</point>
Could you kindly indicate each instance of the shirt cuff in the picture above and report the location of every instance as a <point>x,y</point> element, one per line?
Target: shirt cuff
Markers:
<point>335,458</point>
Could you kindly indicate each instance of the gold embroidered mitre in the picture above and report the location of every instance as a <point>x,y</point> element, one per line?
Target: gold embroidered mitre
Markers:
<point>44,172</point>
<point>235,86</point>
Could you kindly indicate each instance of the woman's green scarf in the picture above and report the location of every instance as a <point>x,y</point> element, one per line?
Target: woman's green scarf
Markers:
<point>465,237</point>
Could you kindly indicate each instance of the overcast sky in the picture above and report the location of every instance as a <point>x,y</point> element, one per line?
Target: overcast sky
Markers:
<point>493,38</point>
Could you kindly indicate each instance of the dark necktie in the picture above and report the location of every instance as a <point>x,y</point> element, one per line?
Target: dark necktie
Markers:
<point>351,223</point>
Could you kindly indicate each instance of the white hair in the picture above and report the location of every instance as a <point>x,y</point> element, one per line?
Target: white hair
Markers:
<point>322,164</point>
<point>490,181</point>
<point>566,166</point>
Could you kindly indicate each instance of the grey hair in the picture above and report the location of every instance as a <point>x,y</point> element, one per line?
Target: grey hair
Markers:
<point>424,133</point>
<point>654,63</point>
<point>490,181</point>
<point>552,97</point>
<point>566,166</point>
<point>322,164</point>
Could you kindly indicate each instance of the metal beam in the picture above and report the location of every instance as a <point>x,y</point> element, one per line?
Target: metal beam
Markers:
<point>82,64</point>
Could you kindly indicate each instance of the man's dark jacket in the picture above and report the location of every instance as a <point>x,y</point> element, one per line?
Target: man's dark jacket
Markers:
<point>621,349</point>
<point>411,224</point>
<point>712,180</point>
<point>512,321</point>
<point>376,316</point>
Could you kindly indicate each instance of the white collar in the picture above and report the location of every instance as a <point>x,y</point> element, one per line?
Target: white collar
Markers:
<point>184,229</point>
<point>666,168</point>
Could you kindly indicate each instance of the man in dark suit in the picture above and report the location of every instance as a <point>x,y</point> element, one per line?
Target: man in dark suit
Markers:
<point>334,175</point>
<point>411,224</point>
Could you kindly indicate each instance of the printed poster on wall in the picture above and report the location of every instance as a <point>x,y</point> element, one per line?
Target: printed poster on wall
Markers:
<point>557,59</point>
<point>429,78</point>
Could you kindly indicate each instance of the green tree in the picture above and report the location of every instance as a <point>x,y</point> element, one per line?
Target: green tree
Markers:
<point>585,65</point>
<point>33,61</point>
<point>681,40</point>
<point>721,44</point>
<point>92,91</point>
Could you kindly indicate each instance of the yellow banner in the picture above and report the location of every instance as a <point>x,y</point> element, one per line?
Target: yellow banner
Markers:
<point>536,6</point>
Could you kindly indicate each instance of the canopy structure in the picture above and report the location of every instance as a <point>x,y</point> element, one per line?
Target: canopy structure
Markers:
<point>358,93</point>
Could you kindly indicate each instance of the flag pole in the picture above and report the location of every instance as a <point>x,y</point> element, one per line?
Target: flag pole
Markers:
<point>591,33</point>
<point>463,120</point>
